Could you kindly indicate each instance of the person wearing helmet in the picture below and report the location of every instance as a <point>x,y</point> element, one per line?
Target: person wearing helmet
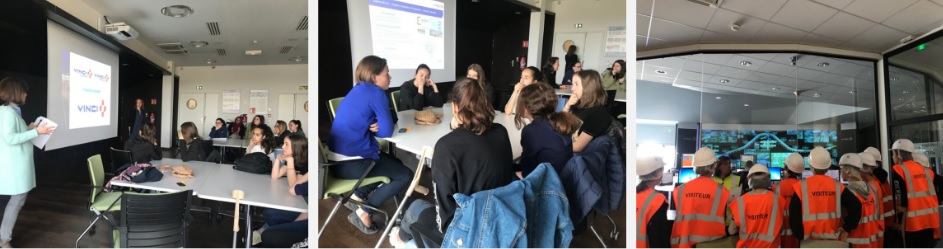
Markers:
<point>651,207</point>
<point>914,197</point>
<point>924,161</point>
<point>815,211</point>
<point>723,175</point>
<point>867,168</point>
<point>795,164</point>
<point>700,205</point>
<point>892,236</point>
<point>757,215</point>
<point>870,226</point>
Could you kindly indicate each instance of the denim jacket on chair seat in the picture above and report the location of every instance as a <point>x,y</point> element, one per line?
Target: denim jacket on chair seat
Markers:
<point>526,213</point>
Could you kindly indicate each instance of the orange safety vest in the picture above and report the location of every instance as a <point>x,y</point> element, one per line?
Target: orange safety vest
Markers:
<point>888,199</point>
<point>785,190</point>
<point>646,204</point>
<point>872,222</point>
<point>701,204</point>
<point>760,220</point>
<point>922,206</point>
<point>821,207</point>
<point>876,186</point>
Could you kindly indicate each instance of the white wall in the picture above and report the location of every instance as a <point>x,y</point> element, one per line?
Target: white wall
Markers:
<point>596,16</point>
<point>277,79</point>
<point>93,18</point>
<point>656,134</point>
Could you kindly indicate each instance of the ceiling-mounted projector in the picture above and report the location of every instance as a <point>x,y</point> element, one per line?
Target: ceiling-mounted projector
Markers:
<point>120,31</point>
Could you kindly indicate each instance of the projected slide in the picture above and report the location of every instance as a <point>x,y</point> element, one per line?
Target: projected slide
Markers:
<point>89,84</point>
<point>408,32</point>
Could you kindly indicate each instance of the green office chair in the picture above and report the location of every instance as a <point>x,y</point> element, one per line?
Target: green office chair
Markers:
<point>100,203</point>
<point>335,188</point>
<point>395,97</point>
<point>334,104</point>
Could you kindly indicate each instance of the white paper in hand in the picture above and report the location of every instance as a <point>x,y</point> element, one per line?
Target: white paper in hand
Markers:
<point>41,140</point>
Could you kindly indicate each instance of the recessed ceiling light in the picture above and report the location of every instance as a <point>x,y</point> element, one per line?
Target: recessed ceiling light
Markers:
<point>817,95</point>
<point>746,104</point>
<point>298,58</point>
<point>725,81</point>
<point>852,92</point>
<point>210,61</point>
<point>894,78</point>
<point>199,44</point>
<point>255,42</point>
<point>124,64</point>
<point>901,99</point>
<point>746,63</point>
<point>660,71</point>
<point>823,64</point>
<point>905,92</point>
<point>176,11</point>
<point>718,97</point>
<point>253,52</point>
<point>775,88</point>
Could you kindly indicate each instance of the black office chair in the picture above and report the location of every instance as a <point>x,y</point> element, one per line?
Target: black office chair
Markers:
<point>119,158</point>
<point>212,155</point>
<point>153,220</point>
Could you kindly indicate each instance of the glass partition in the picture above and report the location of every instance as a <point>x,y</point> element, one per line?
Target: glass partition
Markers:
<point>915,95</point>
<point>762,106</point>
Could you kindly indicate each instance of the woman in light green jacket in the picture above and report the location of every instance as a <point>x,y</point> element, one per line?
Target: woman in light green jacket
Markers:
<point>17,172</point>
<point>614,77</point>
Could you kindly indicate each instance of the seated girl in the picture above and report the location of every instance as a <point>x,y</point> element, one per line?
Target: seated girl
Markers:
<point>219,129</point>
<point>588,102</point>
<point>284,228</point>
<point>529,75</point>
<point>419,92</point>
<point>547,138</point>
<point>192,148</point>
<point>143,146</point>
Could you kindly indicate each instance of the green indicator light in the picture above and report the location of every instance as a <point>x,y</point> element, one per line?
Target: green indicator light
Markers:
<point>921,47</point>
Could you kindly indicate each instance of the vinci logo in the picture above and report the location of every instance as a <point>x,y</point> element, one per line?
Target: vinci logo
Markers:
<point>93,108</point>
<point>86,73</point>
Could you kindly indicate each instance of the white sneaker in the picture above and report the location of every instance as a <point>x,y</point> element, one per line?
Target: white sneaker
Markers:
<point>5,244</point>
<point>394,242</point>
<point>256,237</point>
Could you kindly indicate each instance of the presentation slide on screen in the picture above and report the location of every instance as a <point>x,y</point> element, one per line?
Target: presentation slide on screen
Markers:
<point>409,32</point>
<point>82,89</point>
<point>89,92</point>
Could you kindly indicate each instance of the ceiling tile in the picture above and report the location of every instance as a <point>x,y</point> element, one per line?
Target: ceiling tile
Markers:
<point>821,41</point>
<point>759,9</point>
<point>940,2</point>
<point>835,79</point>
<point>803,14</point>
<point>643,6</point>
<point>669,72</point>
<point>849,69</point>
<point>930,27</point>
<point>718,59</point>
<point>916,17</point>
<point>723,19</point>
<point>761,56</point>
<point>657,78</point>
<point>694,15</point>
<point>812,63</point>
<point>735,73</point>
<point>838,4</point>
<point>876,39</point>
<point>779,69</point>
<point>673,31</point>
<point>877,10</point>
<point>710,37</point>
<point>775,33</point>
<point>763,77</point>
<point>698,67</point>
<point>717,79</point>
<point>673,62</point>
<point>641,25</point>
<point>843,26</point>
<point>693,76</point>
<point>806,74</point>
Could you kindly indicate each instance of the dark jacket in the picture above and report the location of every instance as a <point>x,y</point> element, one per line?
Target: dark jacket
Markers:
<point>409,98</point>
<point>568,77</point>
<point>594,179</point>
<point>220,133</point>
<point>280,139</point>
<point>141,150</point>
<point>571,59</point>
<point>195,151</point>
<point>551,77</point>
<point>240,130</point>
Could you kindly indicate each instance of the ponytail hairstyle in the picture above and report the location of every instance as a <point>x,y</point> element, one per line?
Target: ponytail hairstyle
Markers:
<point>474,109</point>
<point>541,102</point>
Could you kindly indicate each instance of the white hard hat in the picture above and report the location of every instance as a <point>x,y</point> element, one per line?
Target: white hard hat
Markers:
<point>819,158</point>
<point>758,168</point>
<point>648,164</point>
<point>795,163</point>
<point>874,152</point>
<point>904,145</point>
<point>704,157</point>
<point>867,159</point>
<point>921,159</point>
<point>851,159</point>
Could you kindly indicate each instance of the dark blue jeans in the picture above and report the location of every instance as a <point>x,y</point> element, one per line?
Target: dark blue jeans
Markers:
<point>400,177</point>
<point>283,230</point>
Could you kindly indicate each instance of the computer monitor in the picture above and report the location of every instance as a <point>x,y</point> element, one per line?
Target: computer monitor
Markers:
<point>687,160</point>
<point>778,158</point>
<point>834,174</point>
<point>775,174</point>
<point>685,175</point>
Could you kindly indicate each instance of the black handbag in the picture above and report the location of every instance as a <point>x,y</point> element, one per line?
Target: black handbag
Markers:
<point>257,163</point>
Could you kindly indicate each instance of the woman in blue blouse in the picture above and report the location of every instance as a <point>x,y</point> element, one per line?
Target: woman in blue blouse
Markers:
<point>362,115</point>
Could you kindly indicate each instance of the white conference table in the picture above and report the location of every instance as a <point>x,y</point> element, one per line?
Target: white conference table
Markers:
<point>217,181</point>
<point>224,143</point>
<point>201,171</point>
<point>620,94</point>
<point>427,135</point>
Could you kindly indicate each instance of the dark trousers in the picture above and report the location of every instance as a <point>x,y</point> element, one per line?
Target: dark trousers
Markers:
<point>388,166</point>
<point>283,230</point>
<point>419,213</point>
<point>920,239</point>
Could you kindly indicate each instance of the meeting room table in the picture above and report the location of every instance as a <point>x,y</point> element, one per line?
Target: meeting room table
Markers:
<point>224,143</point>
<point>620,94</point>
<point>216,182</point>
